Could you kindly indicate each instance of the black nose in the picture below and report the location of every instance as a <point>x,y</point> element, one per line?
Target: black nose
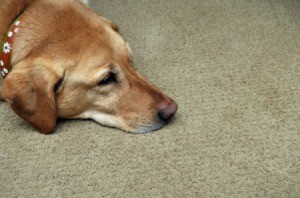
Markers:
<point>167,110</point>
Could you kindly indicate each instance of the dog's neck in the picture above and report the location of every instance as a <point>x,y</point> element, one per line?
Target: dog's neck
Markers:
<point>10,10</point>
<point>6,47</point>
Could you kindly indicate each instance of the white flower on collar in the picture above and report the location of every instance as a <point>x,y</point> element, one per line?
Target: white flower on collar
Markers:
<point>16,30</point>
<point>6,48</point>
<point>5,71</point>
<point>17,23</point>
<point>10,34</point>
<point>1,63</point>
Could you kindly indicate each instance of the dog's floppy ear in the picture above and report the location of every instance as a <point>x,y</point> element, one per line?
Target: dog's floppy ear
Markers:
<point>30,93</point>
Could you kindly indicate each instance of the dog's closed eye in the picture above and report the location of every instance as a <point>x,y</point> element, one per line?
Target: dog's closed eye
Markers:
<point>58,86</point>
<point>109,78</point>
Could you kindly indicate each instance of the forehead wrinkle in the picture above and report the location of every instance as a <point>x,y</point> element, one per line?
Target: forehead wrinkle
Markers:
<point>87,73</point>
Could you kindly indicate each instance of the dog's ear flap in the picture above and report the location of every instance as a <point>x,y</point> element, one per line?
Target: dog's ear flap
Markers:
<point>114,26</point>
<point>31,95</point>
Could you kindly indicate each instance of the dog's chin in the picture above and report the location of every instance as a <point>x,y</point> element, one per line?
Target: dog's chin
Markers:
<point>119,123</point>
<point>140,129</point>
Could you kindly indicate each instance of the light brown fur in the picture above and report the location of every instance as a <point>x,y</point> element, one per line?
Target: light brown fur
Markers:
<point>60,55</point>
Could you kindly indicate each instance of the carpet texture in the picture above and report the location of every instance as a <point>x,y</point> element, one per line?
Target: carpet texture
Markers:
<point>234,69</point>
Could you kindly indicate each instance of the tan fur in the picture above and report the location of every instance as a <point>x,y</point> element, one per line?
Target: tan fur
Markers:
<point>66,42</point>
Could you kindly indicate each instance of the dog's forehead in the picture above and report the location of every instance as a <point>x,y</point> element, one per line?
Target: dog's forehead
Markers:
<point>107,46</point>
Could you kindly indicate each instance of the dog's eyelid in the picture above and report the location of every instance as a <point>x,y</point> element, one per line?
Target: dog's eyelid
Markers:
<point>58,86</point>
<point>108,78</point>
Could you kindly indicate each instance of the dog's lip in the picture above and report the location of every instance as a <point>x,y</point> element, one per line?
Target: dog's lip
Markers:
<point>140,129</point>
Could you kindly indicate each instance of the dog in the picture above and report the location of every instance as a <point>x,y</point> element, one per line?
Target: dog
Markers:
<point>69,62</point>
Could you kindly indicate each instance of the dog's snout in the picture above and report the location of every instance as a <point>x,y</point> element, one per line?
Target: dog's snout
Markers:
<point>167,109</point>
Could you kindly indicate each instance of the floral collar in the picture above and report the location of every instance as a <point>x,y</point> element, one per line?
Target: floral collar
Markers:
<point>6,48</point>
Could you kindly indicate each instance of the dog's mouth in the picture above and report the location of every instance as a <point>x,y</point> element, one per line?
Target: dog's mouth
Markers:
<point>146,128</point>
<point>137,126</point>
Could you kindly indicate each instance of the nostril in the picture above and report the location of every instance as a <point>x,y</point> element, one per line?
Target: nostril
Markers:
<point>161,115</point>
<point>167,111</point>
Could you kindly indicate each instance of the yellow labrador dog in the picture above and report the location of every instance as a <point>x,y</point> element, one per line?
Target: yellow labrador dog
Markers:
<point>62,60</point>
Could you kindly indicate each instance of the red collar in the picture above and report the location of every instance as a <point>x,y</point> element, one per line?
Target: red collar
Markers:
<point>6,48</point>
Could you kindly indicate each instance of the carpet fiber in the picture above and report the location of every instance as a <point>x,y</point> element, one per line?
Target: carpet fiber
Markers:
<point>232,66</point>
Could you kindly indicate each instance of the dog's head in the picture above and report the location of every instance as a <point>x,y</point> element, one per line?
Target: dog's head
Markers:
<point>80,67</point>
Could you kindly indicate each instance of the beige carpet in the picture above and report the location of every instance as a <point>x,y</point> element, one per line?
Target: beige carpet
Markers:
<point>233,67</point>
